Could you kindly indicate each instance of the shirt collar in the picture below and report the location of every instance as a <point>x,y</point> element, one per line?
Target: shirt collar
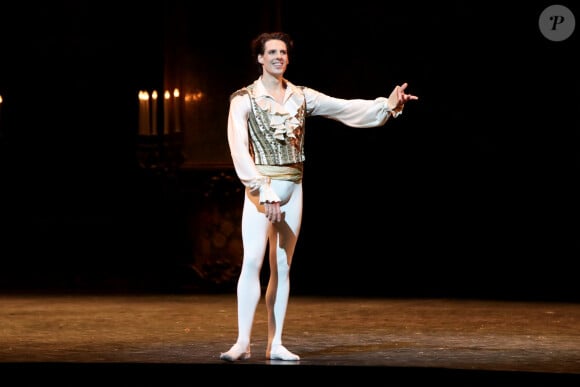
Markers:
<point>260,89</point>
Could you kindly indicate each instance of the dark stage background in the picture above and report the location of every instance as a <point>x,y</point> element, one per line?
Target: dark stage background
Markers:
<point>471,193</point>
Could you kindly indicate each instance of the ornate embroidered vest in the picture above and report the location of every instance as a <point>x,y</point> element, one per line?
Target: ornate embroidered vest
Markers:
<point>271,145</point>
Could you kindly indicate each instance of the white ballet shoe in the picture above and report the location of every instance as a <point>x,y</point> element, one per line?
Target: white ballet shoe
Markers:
<point>279,352</point>
<point>235,353</point>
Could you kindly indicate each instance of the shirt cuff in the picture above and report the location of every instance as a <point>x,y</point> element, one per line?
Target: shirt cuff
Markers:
<point>262,184</point>
<point>267,194</point>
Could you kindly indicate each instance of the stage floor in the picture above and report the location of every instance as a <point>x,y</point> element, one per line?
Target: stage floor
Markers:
<point>81,339</point>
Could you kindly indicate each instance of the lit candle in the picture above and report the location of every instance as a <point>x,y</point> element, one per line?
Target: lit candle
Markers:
<point>166,112</point>
<point>143,113</point>
<point>154,112</point>
<point>176,110</point>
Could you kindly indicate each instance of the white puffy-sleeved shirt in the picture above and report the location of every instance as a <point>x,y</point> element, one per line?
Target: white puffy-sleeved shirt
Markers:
<point>285,123</point>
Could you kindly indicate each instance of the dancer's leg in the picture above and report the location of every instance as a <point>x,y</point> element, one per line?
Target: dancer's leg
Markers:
<point>254,238</point>
<point>282,241</point>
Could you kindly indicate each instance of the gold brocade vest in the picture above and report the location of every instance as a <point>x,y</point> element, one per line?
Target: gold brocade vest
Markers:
<point>267,145</point>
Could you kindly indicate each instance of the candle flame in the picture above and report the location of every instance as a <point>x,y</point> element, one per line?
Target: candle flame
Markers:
<point>143,95</point>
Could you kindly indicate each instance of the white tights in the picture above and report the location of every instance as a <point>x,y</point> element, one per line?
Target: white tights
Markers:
<point>257,234</point>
